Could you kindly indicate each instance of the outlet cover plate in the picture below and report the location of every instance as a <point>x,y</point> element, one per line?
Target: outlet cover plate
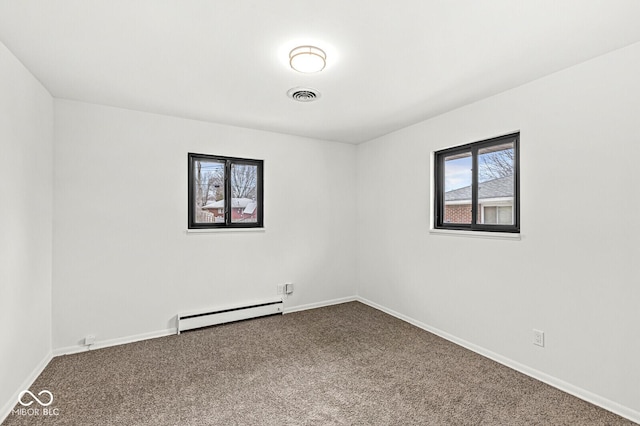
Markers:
<point>538,337</point>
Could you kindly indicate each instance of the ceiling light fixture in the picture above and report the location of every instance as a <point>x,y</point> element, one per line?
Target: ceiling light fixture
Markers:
<point>307,59</point>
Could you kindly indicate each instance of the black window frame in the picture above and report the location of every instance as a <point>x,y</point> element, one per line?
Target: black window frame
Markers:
<point>473,148</point>
<point>228,161</point>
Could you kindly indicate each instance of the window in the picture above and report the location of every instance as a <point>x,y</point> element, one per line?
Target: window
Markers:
<point>497,215</point>
<point>477,186</point>
<point>224,192</point>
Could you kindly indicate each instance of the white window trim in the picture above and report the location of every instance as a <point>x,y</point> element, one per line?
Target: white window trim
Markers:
<point>222,230</point>
<point>477,234</point>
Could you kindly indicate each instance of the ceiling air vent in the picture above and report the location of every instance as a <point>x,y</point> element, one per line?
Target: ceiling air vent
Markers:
<point>303,94</point>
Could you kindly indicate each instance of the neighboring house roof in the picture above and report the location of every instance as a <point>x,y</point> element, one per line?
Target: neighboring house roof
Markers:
<point>495,188</point>
<point>214,205</point>
<point>251,207</point>
<point>236,203</point>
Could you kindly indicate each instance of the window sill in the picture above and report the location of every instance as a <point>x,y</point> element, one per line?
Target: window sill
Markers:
<point>477,234</point>
<point>223,230</point>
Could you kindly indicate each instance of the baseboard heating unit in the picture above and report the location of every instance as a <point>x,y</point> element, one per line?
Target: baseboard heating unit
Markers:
<point>193,320</point>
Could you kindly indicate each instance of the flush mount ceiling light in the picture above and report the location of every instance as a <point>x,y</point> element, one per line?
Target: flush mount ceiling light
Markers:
<point>307,59</point>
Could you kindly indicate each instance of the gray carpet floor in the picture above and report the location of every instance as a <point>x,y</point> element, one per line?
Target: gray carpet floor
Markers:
<point>346,364</point>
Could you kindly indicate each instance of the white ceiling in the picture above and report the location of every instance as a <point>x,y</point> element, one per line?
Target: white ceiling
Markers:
<point>389,64</point>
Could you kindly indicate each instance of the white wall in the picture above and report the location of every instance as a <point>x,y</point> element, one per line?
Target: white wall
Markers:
<point>123,263</point>
<point>26,160</point>
<point>574,274</point>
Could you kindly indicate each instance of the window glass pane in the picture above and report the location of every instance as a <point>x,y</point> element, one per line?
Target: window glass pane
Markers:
<point>244,190</point>
<point>496,183</point>
<point>457,188</point>
<point>209,191</point>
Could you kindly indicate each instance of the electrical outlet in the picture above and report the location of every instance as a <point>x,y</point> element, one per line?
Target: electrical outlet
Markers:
<point>538,337</point>
<point>280,289</point>
<point>288,288</point>
<point>89,340</point>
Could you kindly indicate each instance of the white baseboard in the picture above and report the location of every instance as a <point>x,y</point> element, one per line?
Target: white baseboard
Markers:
<point>68,350</point>
<point>308,306</point>
<point>578,392</point>
<point>8,406</point>
<point>114,342</point>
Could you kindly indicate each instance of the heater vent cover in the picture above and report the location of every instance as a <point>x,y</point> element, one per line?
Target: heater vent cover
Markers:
<point>303,94</point>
